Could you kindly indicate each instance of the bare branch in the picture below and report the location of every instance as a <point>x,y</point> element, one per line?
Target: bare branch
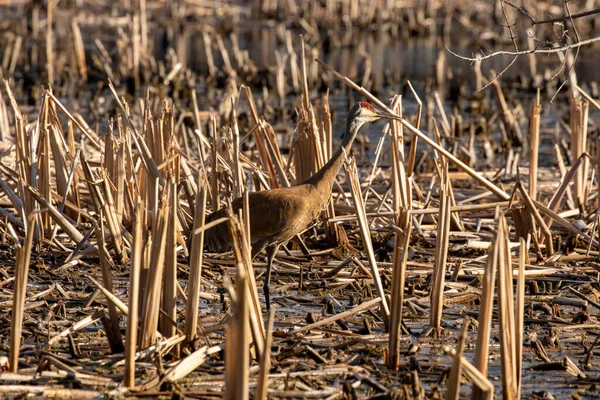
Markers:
<point>537,50</point>
<point>570,17</point>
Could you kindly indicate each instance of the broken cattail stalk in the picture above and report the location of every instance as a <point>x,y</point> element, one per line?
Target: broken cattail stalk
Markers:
<point>265,361</point>
<point>441,254</point>
<point>401,248</point>
<point>49,43</point>
<point>534,144</point>
<point>355,192</point>
<point>109,295</point>
<point>563,188</point>
<point>153,289</point>
<point>91,135</point>
<point>480,381</point>
<point>274,154</point>
<point>506,313</point>
<point>194,283</point>
<point>236,167</point>
<point>114,333</point>
<point>486,307</point>
<point>79,50</point>
<point>400,195</point>
<point>59,218</point>
<point>507,113</point>
<point>19,294</point>
<point>520,313</point>
<point>189,364</point>
<point>146,157</point>
<point>243,258</point>
<point>579,122</point>
<point>361,307</point>
<point>453,391</point>
<point>412,153</point>
<point>134,295</point>
<point>168,318</point>
<point>538,219</point>
<point>103,207</point>
<point>237,342</point>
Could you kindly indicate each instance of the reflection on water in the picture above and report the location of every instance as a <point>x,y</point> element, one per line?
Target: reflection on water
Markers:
<point>391,60</point>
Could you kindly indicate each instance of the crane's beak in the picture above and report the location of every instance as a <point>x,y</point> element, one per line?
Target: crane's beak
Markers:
<point>386,115</point>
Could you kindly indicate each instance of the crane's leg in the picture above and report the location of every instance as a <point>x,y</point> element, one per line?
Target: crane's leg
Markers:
<point>271,251</point>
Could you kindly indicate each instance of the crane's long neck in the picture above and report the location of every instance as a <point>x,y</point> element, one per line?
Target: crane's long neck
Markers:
<point>323,179</point>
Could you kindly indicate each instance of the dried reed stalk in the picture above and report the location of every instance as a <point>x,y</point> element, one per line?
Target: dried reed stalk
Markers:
<point>103,207</point>
<point>480,381</point>
<point>441,254</point>
<point>214,176</point>
<point>579,122</point>
<point>60,163</point>
<point>195,279</point>
<point>114,333</point>
<point>19,294</point>
<point>400,189</point>
<point>240,234</point>
<point>153,284</point>
<point>534,144</point>
<point>402,197</point>
<point>563,188</point>
<point>412,153</point>
<point>260,138</point>
<point>486,308</point>
<point>308,155</point>
<point>359,308</point>
<point>506,313</point>
<point>401,248</point>
<point>564,223</point>
<point>507,113</point>
<point>355,192</point>
<point>109,295</point>
<point>453,391</point>
<point>49,44</point>
<point>168,318</point>
<point>520,313</point>
<point>265,361</point>
<point>115,156</point>
<point>79,122</point>
<point>139,141</point>
<point>538,219</point>
<point>79,50</point>
<point>237,341</point>
<point>134,296</point>
<point>186,366</point>
<point>41,166</point>
<point>238,181</point>
<point>59,218</point>
<point>274,154</point>
<point>4,122</point>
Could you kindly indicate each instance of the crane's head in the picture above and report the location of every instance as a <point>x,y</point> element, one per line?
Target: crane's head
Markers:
<point>363,112</point>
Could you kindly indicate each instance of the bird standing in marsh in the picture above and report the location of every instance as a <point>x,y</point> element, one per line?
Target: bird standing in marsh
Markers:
<point>276,215</point>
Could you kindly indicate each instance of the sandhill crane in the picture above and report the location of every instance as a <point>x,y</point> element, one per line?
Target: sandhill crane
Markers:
<point>277,215</point>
